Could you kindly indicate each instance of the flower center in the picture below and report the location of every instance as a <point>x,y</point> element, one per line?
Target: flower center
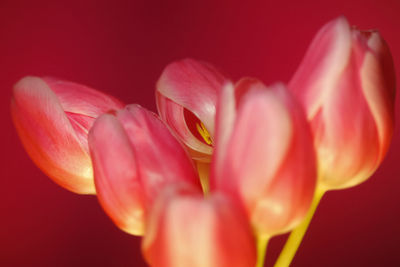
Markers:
<point>204,133</point>
<point>197,128</point>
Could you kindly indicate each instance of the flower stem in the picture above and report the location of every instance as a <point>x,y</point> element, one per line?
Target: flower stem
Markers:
<point>262,242</point>
<point>296,236</point>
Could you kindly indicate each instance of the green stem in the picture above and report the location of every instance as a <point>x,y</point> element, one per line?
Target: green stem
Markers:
<point>262,243</point>
<point>296,236</point>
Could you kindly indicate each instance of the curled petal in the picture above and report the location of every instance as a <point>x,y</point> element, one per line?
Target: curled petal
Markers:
<point>134,157</point>
<point>52,119</point>
<point>193,86</point>
<point>184,229</point>
<point>174,116</point>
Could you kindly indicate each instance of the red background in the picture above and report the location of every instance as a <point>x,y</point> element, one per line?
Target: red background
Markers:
<point>121,47</point>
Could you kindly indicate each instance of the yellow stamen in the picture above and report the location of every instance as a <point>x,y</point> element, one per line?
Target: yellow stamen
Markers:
<point>204,133</point>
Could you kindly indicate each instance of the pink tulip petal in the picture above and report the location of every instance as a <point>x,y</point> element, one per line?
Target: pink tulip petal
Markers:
<point>225,120</point>
<point>287,199</point>
<point>377,71</point>
<point>269,162</point>
<point>322,65</point>
<point>346,83</point>
<point>118,185</point>
<point>194,86</point>
<point>161,158</point>
<point>173,115</point>
<point>259,141</point>
<point>134,157</point>
<point>187,230</point>
<point>350,142</point>
<point>48,136</point>
<point>82,105</point>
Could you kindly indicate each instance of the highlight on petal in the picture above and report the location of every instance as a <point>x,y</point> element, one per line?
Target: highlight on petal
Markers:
<point>52,119</point>
<point>134,157</point>
<point>225,120</point>
<point>189,86</point>
<point>185,229</point>
<point>346,84</point>
<point>269,162</point>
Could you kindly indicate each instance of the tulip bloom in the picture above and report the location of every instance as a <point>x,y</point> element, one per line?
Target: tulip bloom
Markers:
<point>186,229</point>
<point>346,83</point>
<point>52,118</point>
<point>264,155</point>
<point>186,98</point>
<point>134,156</point>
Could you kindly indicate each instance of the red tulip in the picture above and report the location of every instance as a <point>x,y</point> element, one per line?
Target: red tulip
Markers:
<point>52,118</point>
<point>134,156</point>
<point>186,98</point>
<point>186,229</point>
<point>346,83</point>
<point>264,155</point>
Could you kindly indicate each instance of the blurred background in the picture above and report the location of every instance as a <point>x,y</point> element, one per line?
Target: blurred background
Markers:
<point>121,47</point>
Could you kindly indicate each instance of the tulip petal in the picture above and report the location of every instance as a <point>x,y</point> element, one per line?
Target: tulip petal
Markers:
<point>48,136</point>
<point>187,230</point>
<point>322,65</point>
<point>161,158</point>
<point>269,162</point>
<point>134,157</point>
<point>225,120</point>
<point>258,153</point>
<point>173,115</point>
<point>82,105</point>
<point>348,141</point>
<point>346,83</point>
<point>91,102</point>
<point>377,71</point>
<point>193,86</point>
<point>119,188</point>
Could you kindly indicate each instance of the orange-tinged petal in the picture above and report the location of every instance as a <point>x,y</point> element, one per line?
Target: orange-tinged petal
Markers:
<point>346,84</point>
<point>187,230</point>
<point>134,157</point>
<point>52,119</point>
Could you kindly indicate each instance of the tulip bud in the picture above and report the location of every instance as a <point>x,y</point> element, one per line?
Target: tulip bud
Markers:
<point>264,155</point>
<point>186,97</point>
<point>52,118</point>
<point>186,229</point>
<point>134,156</point>
<point>346,83</point>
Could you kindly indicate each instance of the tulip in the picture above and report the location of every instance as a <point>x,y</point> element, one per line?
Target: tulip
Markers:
<point>52,118</point>
<point>186,98</point>
<point>186,229</point>
<point>264,155</point>
<point>134,156</point>
<point>346,83</point>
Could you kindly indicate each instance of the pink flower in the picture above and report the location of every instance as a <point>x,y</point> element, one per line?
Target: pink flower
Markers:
<point>134,157</point>
<point>186,229</point>
<point>264,155</point>
<point>346,83</point>
<point>186,98</point>
<point>52,118</point>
